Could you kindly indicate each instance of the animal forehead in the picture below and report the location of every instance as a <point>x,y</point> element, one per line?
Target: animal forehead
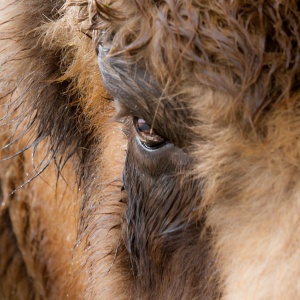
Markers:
<point>238,48</point>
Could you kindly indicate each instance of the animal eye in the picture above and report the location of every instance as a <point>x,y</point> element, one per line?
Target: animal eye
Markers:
<point>148,137</point>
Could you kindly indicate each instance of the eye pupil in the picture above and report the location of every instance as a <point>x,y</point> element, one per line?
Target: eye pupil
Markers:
<point>148,137</point>
<point>142,126</point>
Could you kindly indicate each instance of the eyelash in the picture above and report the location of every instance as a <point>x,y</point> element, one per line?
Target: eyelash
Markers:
<point>148,137</point>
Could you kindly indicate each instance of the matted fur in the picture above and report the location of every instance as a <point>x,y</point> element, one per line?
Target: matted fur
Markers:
<point>90,212</point>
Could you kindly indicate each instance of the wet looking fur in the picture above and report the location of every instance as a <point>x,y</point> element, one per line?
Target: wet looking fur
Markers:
<point>89,209</point>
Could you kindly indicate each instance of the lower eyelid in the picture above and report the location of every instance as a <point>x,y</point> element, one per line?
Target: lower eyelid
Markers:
<point>149,148</point>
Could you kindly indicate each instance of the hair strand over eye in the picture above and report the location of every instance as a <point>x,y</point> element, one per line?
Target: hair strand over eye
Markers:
<point>147,135</point>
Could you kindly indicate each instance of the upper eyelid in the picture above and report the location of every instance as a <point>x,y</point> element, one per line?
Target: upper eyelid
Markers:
<point>122,111</point>
<point>126,116</point>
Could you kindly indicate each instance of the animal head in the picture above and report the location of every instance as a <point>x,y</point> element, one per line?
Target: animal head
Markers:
<point>177,124</point>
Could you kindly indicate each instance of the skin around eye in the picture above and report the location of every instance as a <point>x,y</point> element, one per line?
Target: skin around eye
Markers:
<point>147,135</point>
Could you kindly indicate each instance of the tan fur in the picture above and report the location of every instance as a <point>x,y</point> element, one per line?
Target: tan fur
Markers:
<point>63,234</point>
<point>44,226</point>
<point>253,194</point>
<point>104,227</point>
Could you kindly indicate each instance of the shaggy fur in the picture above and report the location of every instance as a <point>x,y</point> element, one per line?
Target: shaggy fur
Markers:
<point>89,210</point>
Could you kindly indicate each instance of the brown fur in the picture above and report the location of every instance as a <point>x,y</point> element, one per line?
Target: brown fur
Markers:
<point>88,210</point>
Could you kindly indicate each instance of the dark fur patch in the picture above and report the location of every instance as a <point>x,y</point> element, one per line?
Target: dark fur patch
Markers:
<point>47,103</point>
